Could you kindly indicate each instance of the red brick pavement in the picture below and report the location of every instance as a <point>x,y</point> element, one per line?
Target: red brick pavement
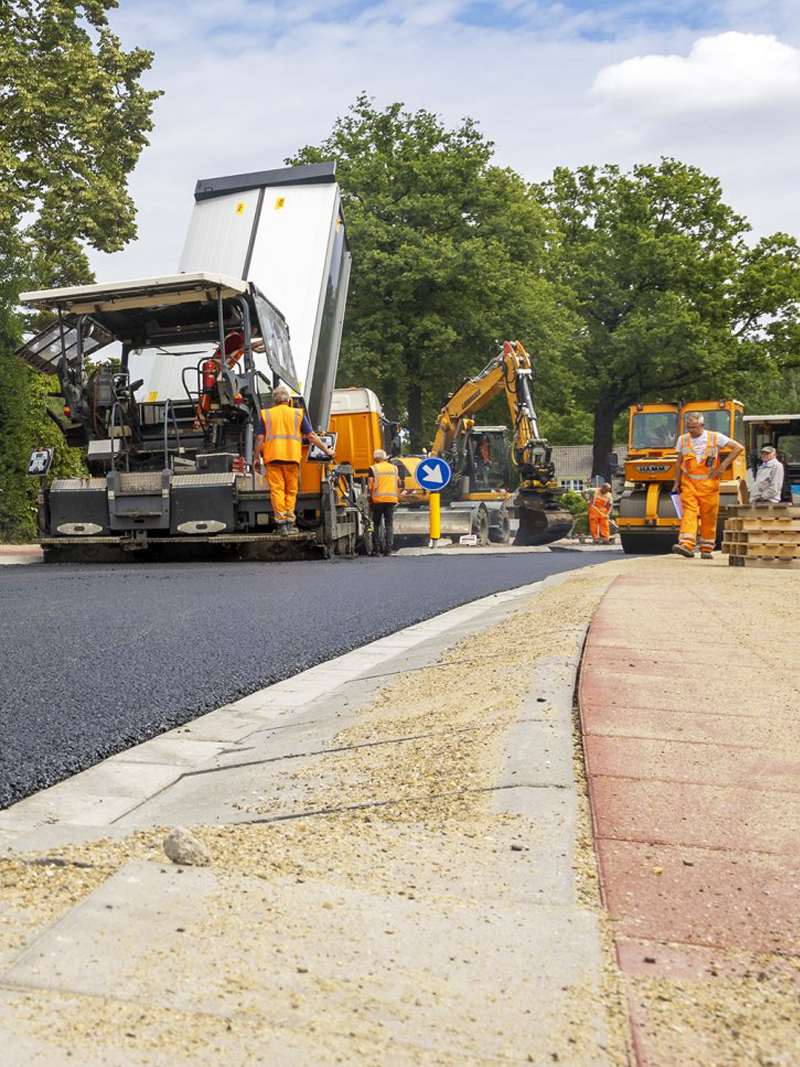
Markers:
<point>693,763</point>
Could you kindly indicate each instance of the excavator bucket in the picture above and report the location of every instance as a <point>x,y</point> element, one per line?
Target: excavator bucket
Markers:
<point>541,521</point>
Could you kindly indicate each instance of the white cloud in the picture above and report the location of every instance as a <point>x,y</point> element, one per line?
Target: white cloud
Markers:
<point>731,72</point>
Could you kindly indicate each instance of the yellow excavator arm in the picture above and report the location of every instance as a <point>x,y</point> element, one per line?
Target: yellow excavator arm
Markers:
<point>510,371</point>
<point>541,517</point>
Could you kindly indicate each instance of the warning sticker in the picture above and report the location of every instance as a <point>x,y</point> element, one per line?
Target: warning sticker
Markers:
<point>152,397</point>
<point>240,208</point>
<point>280,202</point>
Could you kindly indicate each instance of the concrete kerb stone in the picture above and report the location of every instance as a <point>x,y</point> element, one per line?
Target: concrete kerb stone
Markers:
<point>77,800</point>
<point>551,949</point>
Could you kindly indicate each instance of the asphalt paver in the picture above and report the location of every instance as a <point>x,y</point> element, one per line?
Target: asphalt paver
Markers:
<point>99,658</point>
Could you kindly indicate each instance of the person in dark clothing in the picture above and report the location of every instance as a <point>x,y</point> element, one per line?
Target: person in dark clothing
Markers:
<point>384,491</point>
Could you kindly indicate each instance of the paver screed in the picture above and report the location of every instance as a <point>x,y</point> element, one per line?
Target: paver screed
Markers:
<point>690,706</point>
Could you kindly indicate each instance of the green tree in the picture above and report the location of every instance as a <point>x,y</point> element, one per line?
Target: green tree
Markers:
<point>448,254</point>
<point>674,303</point>
<point>74,121</point>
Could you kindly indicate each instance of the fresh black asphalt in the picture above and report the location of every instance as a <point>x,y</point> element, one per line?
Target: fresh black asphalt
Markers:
<point>96,659</point>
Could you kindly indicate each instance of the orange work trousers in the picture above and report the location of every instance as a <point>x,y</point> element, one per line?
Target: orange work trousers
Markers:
<point>700,501</point>
<point>283,481</point>
<point>598,525</point>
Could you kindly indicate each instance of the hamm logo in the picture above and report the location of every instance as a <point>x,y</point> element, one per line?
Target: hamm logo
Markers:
<point>653,468</point>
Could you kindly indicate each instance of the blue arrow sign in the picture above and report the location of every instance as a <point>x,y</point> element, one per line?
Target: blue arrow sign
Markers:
<point>433,474</point>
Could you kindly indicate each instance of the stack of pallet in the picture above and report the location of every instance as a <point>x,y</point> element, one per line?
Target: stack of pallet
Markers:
<point>764,536</point>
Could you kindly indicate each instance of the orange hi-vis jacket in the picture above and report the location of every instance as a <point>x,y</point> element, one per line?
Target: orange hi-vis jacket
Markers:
<point>699,470</point>
<point>601,504</point>
<point>385,483</point>
<point>699,493</point>
<point>283,441</point>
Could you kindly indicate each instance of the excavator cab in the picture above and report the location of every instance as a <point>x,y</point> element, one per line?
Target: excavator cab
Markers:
<point>486,466</point>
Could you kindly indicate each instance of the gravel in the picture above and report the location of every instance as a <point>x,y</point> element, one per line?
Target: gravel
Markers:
<point>97,659</point>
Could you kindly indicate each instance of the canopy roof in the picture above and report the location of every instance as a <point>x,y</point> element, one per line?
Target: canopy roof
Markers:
<point>772,418</point>
<point>138,293</point>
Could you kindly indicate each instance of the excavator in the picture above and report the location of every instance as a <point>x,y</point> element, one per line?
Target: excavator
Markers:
<point>479,499</point>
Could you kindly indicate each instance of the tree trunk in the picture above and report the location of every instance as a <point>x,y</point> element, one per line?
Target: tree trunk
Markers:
<point>603,443</point>
<point>415,428</point>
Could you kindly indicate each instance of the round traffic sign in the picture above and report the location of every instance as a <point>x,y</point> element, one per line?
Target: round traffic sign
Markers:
<point>433,474</point>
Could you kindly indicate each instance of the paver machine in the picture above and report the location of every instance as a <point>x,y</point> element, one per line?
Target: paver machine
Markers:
<point>479,498</point>
<point>168,417</point>
<point>647,520</point>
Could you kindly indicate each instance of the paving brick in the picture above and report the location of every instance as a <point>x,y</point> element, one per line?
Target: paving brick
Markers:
<point>680,691</point>
<point>736,900</point>
<point>750,730</point>
<point>698,815</point>
<point>663,960</point>
<point>694,763</point>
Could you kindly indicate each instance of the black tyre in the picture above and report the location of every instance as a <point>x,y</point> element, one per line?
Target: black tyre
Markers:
<point>501,534</point>
<point>365,543</point>
<point>482,526</point>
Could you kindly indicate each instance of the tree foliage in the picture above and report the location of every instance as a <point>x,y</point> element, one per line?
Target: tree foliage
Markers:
<point>674,303</point>
<point>448,254</point>
<point>75,118</point>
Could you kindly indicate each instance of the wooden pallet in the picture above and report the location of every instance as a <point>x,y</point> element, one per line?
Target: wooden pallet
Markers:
<point>775,523</point>
<point>767,549</point>
<point>764,511</point>
<point>766,535</point>
<point>763,536</point>
<point>760,561</point>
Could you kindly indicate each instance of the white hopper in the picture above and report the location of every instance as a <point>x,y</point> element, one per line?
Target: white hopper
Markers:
<point>283,230</point>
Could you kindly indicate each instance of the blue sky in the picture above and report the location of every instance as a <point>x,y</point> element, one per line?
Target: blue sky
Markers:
<point>247,82</point>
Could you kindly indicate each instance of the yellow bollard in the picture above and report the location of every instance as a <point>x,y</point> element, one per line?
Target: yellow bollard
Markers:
<point>436,517</point>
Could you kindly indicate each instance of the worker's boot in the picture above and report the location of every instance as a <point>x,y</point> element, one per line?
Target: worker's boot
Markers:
<point>706,554</point>
<point>282,528</point>
<point>682,550</point>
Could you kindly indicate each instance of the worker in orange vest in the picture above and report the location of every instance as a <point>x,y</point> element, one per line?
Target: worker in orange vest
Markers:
<point>697,479</point>
<point>383,486</point>
<point>600,503</point>
<point>279,443</point>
